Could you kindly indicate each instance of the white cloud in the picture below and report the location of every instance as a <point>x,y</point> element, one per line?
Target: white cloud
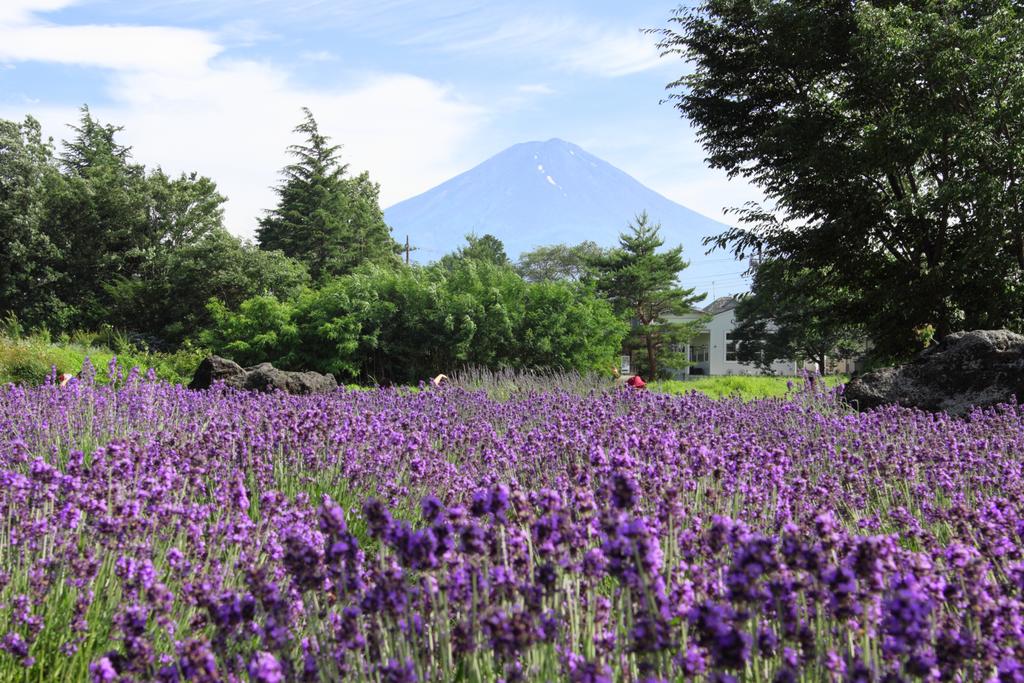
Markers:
<point>613,53</point>
<point>24,37</point>
<point>232,119</point>
<point>143,48</point>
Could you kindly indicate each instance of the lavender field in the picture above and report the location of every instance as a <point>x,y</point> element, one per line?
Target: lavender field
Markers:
<point>153,533</point>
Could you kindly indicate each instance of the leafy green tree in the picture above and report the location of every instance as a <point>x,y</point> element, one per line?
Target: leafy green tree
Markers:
<point>339,325</point>
<point>794,313</point>
<point>29,259</point>
<point>569,327</point>
<point>559,262</point>
<point>168,301</point>
<point>193,259</point>
<point>184,209</point>
<point>329,222</point>
<point>642,285</point>
<point>886,139</point>
<point>369,238</point>
<point>489,296</point>
<point>263,329</point>
<point>485,248</point>
<point>413,327</point>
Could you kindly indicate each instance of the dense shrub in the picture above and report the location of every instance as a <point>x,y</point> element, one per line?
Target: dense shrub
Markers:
<point>404,325</point>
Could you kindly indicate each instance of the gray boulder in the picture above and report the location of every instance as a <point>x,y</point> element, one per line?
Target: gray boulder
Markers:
<point>263,377</point>
<point>966,369</point>
<point>217,369</point>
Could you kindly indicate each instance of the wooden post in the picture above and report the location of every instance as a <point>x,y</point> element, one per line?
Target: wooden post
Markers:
<point>406,250</point>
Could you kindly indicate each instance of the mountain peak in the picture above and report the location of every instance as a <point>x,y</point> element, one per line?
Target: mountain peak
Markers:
<point>548,192</point>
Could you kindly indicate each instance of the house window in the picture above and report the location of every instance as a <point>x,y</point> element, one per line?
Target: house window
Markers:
<point>731,346</point>
<point>699,353</point>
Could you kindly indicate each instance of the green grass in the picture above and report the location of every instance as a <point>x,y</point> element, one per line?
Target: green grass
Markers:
<point>29,359</point>
<point>747,387</point>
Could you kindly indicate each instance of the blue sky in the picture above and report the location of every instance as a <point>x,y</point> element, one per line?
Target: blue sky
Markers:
<point>415,91</point>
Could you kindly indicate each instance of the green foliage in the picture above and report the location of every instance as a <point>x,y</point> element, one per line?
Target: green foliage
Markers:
<point>795,313</point>
<point>99,219</point>
<point>28,268</point>
<point>486,248</point>
<point>565,326</point>
<point>11,327</point>
<point>925,335</point>
<point>329,324</point>
<point>331,223</point>
<point>168,300</point>
<point>261,330</point>
<point>185,209</point>
<point>413,326</point>
<point>93,241</point>
<point>642,284</point>
<point>560,262</point>
<point>407,324</point>
<point>886,138</point>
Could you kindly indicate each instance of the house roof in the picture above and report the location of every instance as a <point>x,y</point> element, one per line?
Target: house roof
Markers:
<point>720,305</point>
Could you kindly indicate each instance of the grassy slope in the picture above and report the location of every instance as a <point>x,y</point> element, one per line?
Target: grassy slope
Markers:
<point>29,360</point>
<point>746,387</point>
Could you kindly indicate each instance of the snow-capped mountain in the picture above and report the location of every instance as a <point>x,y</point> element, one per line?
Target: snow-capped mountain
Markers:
<point>539,193</point>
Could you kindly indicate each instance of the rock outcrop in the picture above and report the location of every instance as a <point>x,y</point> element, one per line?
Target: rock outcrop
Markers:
<point>966,369</point>
<point>263,377</point>
<point>216,369</point>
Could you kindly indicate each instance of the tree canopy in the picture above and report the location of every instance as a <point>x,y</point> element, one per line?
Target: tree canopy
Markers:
<point>29,268</point>
<point>486,248</point>
<point>794,313</point>
<point>90,239</point>
<point>886,139</point>
<point>559,262</point>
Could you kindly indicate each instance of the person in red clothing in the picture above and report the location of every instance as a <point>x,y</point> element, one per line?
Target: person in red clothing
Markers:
<point>636,382</point>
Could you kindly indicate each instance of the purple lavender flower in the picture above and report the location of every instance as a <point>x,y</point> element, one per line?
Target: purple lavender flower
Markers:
<point>591,672</point>
<point>398,672</point>
<point>264,668</point>
<point>102,670</point>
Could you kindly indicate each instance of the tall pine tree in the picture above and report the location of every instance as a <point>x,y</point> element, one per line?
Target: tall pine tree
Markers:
<point>331,223</point>
<point>98,219</point>
<point>643,285</point>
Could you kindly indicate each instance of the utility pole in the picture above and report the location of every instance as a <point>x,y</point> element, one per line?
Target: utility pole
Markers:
<point>406,250</point>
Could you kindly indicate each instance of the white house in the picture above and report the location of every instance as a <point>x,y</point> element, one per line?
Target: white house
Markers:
<point>713,352</point>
